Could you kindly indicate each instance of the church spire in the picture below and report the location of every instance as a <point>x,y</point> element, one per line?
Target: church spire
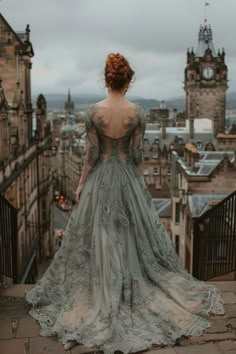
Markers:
<point>69,98</point>
<point>69,105</point>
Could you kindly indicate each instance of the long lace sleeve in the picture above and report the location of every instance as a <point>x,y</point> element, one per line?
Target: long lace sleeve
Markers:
<point>92,145</point>
<point>137,146</point>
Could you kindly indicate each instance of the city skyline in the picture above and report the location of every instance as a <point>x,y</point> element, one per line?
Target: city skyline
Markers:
<point>71,42</point>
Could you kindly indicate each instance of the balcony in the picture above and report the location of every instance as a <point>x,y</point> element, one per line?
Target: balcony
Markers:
<point>19,333</point>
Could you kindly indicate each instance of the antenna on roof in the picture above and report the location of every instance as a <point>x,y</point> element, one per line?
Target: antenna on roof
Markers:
<point>205,7</point>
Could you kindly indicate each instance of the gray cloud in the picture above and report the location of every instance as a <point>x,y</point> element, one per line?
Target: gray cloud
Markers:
<point>71,39</point>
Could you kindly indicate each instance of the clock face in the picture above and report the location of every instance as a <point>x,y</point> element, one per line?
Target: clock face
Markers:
<point>208,72</point>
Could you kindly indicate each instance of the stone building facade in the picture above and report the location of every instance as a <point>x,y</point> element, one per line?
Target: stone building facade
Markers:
<point>199,181</point>
<point>25,153</point>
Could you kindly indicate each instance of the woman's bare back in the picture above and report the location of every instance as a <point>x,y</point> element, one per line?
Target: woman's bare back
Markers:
<point>115,117</point>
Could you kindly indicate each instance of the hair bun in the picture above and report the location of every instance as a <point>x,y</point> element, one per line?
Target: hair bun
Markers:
<point>118,72</point>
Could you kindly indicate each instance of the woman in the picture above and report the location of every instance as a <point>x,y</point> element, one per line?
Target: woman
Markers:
<point>116,281</point>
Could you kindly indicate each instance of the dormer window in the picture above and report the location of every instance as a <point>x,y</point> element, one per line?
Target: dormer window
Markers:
<point>155,155</point>
<point>199,145</point>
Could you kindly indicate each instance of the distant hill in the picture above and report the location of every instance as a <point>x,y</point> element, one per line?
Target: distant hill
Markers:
<point>57,101</point>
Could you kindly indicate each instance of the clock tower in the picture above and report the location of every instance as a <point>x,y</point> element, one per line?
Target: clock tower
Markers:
<point>206,81</point>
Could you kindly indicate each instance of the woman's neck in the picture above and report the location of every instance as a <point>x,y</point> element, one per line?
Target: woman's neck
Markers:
<point>115,94</point>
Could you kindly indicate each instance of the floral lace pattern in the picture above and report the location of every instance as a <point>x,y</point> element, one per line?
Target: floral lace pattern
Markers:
<point>116,282</point>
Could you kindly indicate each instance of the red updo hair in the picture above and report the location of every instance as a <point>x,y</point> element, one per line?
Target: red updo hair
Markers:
<point>118,72</point>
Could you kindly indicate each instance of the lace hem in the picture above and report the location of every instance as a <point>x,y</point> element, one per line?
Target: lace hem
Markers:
<point>130,343</point>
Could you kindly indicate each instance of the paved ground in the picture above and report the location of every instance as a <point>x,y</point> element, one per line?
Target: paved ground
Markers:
<point>19,333</point>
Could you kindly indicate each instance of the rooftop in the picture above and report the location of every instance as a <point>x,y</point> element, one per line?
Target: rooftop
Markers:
<point>163,207</point>
<point>199,203</point>
<point>209,160</point>
<point>203,133</point>
<point>19,333</point>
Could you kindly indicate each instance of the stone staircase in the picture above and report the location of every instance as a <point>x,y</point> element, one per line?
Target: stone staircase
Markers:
<point>19,333</point>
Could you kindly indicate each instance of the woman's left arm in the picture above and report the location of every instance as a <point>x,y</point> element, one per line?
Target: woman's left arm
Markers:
<point>91,151</point>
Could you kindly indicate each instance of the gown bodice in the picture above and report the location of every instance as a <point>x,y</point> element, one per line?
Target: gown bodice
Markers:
<point>119,147</point>
<point>127,145</point>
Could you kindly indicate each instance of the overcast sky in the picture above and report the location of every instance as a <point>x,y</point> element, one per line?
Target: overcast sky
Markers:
<point>71,39</point>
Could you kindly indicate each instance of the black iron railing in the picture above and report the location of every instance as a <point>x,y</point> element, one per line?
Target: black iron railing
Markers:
<point>8,239</point>
<point>214,240</point>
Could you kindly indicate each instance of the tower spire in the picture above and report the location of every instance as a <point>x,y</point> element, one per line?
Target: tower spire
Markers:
<point>69,98</point>
<point>205,41</point>
<point>69,105</point>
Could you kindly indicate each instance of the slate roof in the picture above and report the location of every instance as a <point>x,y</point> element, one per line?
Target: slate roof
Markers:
<point>163,207</point>
<point>203,133</point>
<point>199,203</point>
<point>209,160</point>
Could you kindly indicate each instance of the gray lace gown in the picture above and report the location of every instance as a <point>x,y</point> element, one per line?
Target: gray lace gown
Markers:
<point>116,282</point>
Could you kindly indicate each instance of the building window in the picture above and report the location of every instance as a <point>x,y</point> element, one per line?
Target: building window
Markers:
<point>146,156</point>
<point>177,213</point>
<point>177,244</point>
<point>145,141</point>
<point>168,171</point>
<point>156,141</point>
<point>145,171</point>
<point>155,155</point>
<point>155,171</point>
